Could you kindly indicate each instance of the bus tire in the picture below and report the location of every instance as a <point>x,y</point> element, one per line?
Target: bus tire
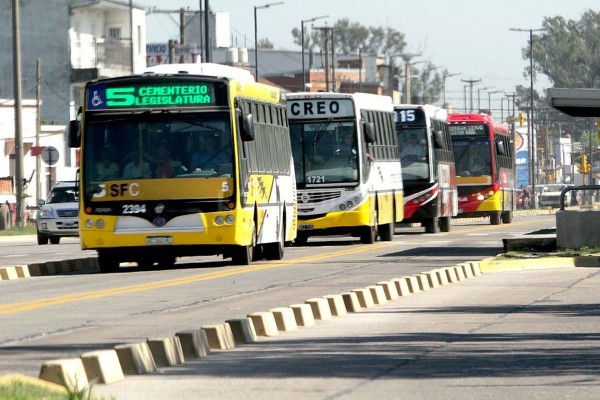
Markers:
<point>107,262</point>
<point>275,250</point>
<point>243,255</point>
<point>386,232</point>
<point>368,234</point>
<point>166,261</point>
<point>507,217</point>
<point>431,225</point>
<point>445,224</point>
<point>495,218</point>
<point>301,239</point>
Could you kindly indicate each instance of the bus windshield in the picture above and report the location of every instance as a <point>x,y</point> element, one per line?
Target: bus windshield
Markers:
<point>412,144</point>
<point>325,152</point>
<point>472,156</point>
<point>156,146</point>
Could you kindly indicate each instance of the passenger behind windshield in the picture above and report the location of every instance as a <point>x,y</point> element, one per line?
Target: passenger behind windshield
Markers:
<point>211,156</point>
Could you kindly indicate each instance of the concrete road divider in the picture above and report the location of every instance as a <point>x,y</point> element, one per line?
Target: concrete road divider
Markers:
<point>460,274</point>
<point>68,372</point>
<point>264,323</point>
<point>413,284</point>
<point>242,330</point>
<point>284,319</point>
<point>320,308</point>
<point>8,274</point>
<point>220,337</point>
<point>389,288</point>
<point>303,314</point>
<point>166,351</point>
<point>365,298</point>
<point>351,302</point>
<point>466,267</point>
<point>102,366</point>
<point>432,279</point>
<point>402,286</point>
<point>378,294</point>
<point>194,343</point>
<point>451,274</point>
<point>336,304</point>
<point>475,268</point>
<point>422,281</point>
<point>441,276</point>
<point>135,358</point>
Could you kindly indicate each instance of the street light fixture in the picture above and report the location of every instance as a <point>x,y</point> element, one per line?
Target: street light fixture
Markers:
<point>490,99</point>
<point>532,146</point>
<point>302,25</point>
<point>256,34</point>
<point>445,76</point>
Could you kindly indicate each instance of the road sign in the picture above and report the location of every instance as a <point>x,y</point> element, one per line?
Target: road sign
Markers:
<point>50,155</point>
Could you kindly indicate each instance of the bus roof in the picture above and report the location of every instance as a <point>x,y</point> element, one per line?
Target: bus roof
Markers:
<point>205,69</point>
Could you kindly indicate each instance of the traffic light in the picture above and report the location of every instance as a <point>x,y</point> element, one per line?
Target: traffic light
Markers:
<point>521,119</point>
<point>585,166</point>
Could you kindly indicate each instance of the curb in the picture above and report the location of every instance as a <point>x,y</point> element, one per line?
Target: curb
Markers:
<point>147,357</point>
<point>84,265</point>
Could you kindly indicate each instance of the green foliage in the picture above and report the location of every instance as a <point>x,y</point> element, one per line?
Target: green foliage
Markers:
<point>568,51</point>
<point>265,44</point>
<point>17,390</point>
<point>26,230</point>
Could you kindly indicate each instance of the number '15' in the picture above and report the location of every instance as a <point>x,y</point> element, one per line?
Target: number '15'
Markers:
<point>120,97</point>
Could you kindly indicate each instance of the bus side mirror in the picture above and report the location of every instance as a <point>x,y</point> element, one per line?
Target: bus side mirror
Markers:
<point>369,131</point>
<point>438,139</point>
<point>500,148</point>
<point>247,128</point>
<point>74,134</point>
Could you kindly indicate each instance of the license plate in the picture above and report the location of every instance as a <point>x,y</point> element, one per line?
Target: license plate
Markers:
<point>305,227</point>
<point>159,240</point>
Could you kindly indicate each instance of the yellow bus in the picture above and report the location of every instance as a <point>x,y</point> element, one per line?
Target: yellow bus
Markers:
<point>184,160</point>
<point>347,163</point>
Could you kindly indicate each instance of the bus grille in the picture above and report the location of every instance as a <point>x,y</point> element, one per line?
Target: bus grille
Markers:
<point>318,197</point>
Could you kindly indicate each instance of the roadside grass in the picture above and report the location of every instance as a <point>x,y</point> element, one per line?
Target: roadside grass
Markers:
<point>20,390</point>
<point>26,230</point>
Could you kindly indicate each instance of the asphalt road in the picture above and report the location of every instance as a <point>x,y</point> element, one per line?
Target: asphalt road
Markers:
<point>46,318</point>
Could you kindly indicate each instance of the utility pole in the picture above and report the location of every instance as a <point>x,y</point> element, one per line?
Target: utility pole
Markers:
<point>326,30</point>
<point>18,122</point>
<point>131,50</point>
<point>407,74</point>
<point>38,128</point>
<point>471,82</point>
<point>207,31</point>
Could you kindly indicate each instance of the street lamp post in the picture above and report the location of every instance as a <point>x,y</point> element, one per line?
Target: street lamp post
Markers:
<point>302,30</point>
<point>479,97</point>
<point>256,34</point>
<point>532,146</point>
<point>445,76</point>
<point>490,99</point>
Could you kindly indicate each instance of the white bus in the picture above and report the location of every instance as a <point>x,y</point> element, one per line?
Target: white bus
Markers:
<point>348,172</point>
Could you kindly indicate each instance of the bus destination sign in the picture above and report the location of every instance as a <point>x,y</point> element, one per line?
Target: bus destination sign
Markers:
<point>405,116</point>
<point>466,130</point>
<point>103,96</point>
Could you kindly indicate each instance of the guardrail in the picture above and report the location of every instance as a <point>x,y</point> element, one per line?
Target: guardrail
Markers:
<point>575,188</point>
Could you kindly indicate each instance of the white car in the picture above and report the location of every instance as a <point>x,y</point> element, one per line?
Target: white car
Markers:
<point>58,215</point>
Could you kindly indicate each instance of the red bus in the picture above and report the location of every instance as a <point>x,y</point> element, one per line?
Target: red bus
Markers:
<point>428,170</point>
<point>485,167</point>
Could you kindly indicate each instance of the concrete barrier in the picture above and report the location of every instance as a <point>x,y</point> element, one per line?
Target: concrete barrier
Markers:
<point>135,358</point>
<point>402,286</point>
<point>378,294</point>
<point>423,282</point>
<point>285,319</point>
<point>351,302</point>
<point>264,323</point>
<point>243,330</point>
<point>166,351</point>
<point>219,337</point>
<point>194,343</point>
<point>390,290</point>
<point>102,366</point>
<point>336,304</point>
<point>68,372</point>
<point>303,314</point>
<point>460,273</point>
<point>442,276</point>
<point>365,298</point>
<point>451,274</point>
<point>8,274</point>
<point>413,284</point>
<point>320,308</point>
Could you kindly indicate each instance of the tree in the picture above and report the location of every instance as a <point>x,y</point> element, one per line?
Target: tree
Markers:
<point>265,44</point>
<point>568,51</point>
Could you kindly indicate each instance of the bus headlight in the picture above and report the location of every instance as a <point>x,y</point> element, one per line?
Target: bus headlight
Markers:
<point>219,220</point>
<point>89,223</point>
<point>100,224</point>
<point>229,219</point>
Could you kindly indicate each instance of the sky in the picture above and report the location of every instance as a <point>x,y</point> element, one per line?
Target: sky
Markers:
<point>469,37</point>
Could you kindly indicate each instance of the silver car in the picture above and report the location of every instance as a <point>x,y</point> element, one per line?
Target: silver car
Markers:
<point>58,215</point>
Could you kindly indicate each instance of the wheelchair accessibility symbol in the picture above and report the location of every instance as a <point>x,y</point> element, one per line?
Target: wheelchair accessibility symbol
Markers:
<point>96,99</point>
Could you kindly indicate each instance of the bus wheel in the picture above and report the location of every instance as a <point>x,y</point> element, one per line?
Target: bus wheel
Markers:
<point>301,239</point>
<point>386,232</point>
<point>243,255</point>
<point>274,251</point>
<point>507,217</point>
<point>431,225</point>
<point>368,234</point>
<point>166,261</point>
<point>445,224</point>
<point>107,262</point>
<point>495,218</point>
